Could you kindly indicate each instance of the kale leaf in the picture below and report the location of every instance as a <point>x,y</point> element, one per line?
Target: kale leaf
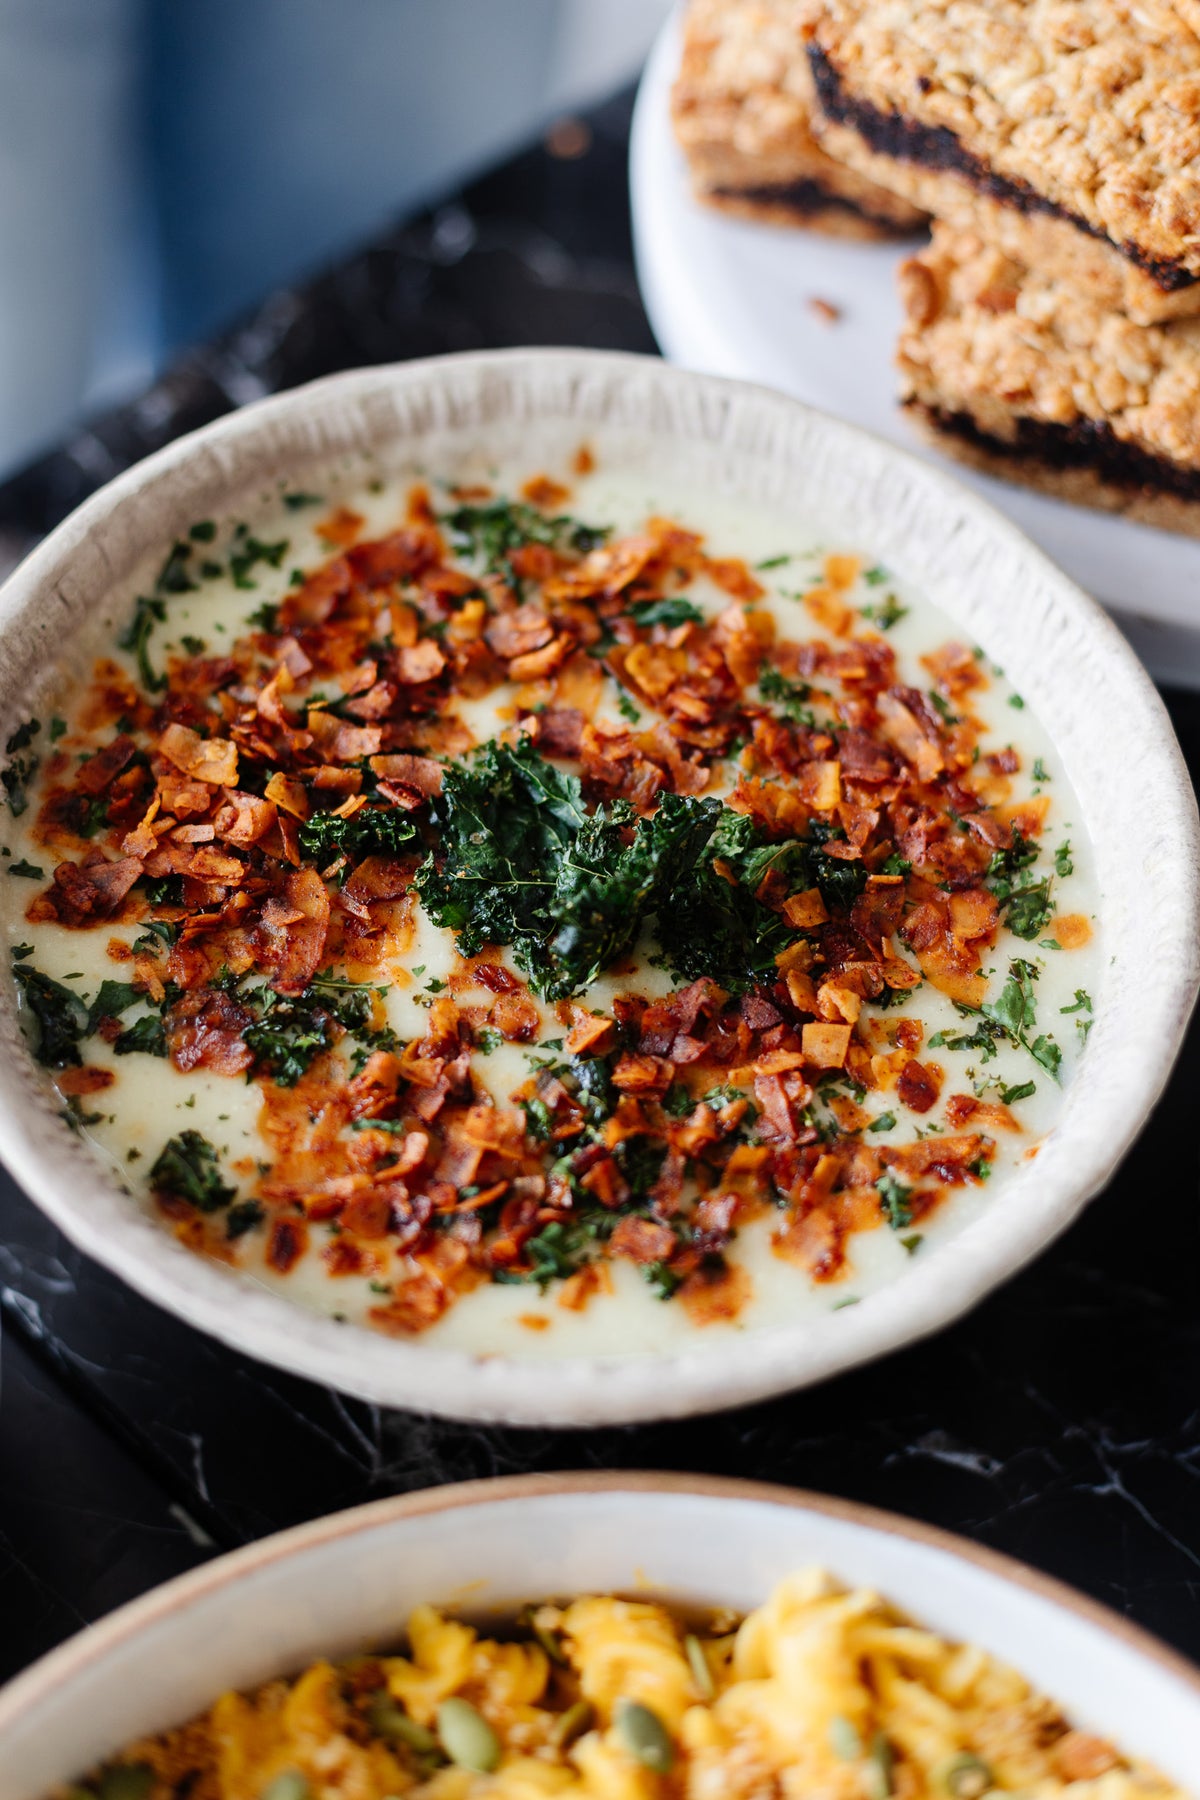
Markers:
<point>20,771</point>
<point>61,1017</point>
<point>378,830</point>
<point>522,862</point>
<point>189,1168</point>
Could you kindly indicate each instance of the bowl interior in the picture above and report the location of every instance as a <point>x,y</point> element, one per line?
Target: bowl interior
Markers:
<point>349,1582</point>
<point>1067,659</point>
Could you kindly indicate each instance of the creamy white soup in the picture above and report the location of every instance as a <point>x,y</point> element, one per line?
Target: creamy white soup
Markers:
<point>544,913</point>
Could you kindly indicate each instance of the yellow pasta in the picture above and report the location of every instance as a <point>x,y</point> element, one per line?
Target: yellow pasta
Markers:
<point>821,1693</point>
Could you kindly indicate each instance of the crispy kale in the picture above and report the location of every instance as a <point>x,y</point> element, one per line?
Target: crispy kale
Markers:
<point>522,862</point>
<point>288,1033</point>
<point>18,775</point>
<point>378,830</point>
<point>61,1017</point>
<point>188,1168</point>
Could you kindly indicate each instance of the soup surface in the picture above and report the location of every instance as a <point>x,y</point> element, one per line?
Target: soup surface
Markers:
<point>543,913</point>
<point>818,1691</point>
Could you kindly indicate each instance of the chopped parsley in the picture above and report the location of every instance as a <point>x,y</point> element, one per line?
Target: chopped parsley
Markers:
<point>887,613</point>
<point>491,532</point>
<point>894,1200</point>
<point>1063,862</point>
<point>247,552</point>
<point>30,871</point>
<point>147,613</point>
<point>1027,904</point>
<point>789,696</point>
<point>675,610</point>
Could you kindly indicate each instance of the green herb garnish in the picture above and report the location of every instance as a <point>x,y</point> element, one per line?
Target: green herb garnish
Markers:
<point>189,1168</point>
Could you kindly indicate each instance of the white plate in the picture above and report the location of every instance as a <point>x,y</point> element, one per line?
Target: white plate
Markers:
<point>1083,682</point>
<point>349,1582</point>
<point>735,298</point>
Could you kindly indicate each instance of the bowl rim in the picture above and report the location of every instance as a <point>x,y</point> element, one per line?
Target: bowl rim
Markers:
<point>582,1391</point>
<point>66,1663</point>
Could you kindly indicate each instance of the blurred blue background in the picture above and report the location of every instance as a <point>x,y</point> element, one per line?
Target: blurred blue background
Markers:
<point>165,163</point>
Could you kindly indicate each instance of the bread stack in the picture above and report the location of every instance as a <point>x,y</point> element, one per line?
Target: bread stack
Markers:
<point>1052,326</point>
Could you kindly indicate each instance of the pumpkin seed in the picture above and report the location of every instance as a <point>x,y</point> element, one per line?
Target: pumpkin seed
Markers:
<point>845,1739</point>
<point>467,1738</point>
<point>291,1785</point>
<point>391,1721</point>
<point>126,1781</point>
<point>966,1776</point>
<point>550,1641</point>
<point>879,1765</point>
<point>643,1734</point>
<point>698,1664</point>
<point>572,1724</point>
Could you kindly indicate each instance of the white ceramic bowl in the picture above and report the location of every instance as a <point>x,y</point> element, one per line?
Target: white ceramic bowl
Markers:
<point>348,1582</point>
<point>1093,698</point>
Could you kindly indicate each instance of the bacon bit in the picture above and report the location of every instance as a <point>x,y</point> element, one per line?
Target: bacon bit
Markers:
<point>745,637</point>
<point>838,1002</point>
<point>466,625</point>
<point>245,819</point>
<point>916,1087</point>
<point>961,1109</point>
<point>205,1030</point>
<point>517,633</point>
<point>642,1240</point>
<point>421,663</point>
<point>82,893</point>
<point>951,1159</point>
<point>1082,1756</point>
<point>825,310</point>
<point>605,1182</point>
<point>830,611</point>
<point>1071,931</point>
<point>87,1080</point>
<point>974,913</point>
<point>914,739</point>
<point>820,785</point>
<point>842,571</point>
<point>341,528</point>
<point>420,773</point>
<point>98,773</point>
<point>540,663</point>
<point>534,1321</point>
<point>581,1287</point>
<point>805,910</point>
<point>292,931</point>
<point>802,991</point>
<point>516,1017</point>
<point>656,668</point>
<point>211,760</point>
<point>590,1034</point>
<point>636,1074</point>
<point>716,1295</point>
<point>286,1244</point>
<point>1027,816</point>
<point>546,494</point>
<point>825,1046</point>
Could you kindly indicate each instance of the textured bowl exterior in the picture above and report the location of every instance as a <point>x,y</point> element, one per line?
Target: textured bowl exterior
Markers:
<point>1093,698</point>
<point>347,1582</point>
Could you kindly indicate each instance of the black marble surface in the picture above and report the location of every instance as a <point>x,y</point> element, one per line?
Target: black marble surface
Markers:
<point>1060,1422</point>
